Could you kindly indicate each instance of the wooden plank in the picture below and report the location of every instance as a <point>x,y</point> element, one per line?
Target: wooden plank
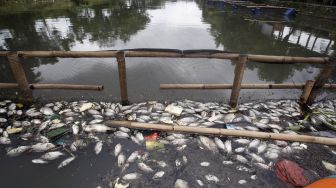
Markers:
<point>20,77</point>
<point>327,71</point>
<point>223,132</point>
<point>306,91</point>
<point>54,86</point>
<point>239,73</point>
<point>122,77</point>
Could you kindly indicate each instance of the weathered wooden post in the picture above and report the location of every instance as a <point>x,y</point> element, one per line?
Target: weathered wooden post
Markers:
<point>122,77</point>
<point>322,78</point>
<point>306,91</point>
<point>239,73</point>
<point>20,77</point>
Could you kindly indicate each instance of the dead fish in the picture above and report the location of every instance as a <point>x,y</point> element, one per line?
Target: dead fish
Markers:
<point>208,143</point>
<point>261,125</point>
<point>262,147</point>
<point>97,128</point>
<point>43,125</point>
<point>229,117</point>
<point>86,106</point>
<point>162,164</point>
<point>264,121</point>
<point>124,129</point>
<point>219,143</point>
<point>139,136</point>
<point>239,150</point>
<point>77,144</point>
<point>242,181</point>
<point>121,160</point>
<point>131,176</point>
<point>41,147</point>
<point>200,183</point>
<point>274,126</point>
<point>241,159</point>
<point>135,140</point>
<point>158,175</point>
<point>179,183</point>
<point>257,158</point>
<point>5,140</point>
<point>39,161</point>
<point>133,157</point>
<point>329,166</point>
<point>144,167</point>
<point>242,141</point>
<point>96,121</point>
<point>17,151</point>
<point>254,143</point>
<point>98,147</point>
<point>228,146</point>
<point>56,125</point>
<point>204,163</point>
<point>52,155</point>
<point>262,165</point>
<point>179,141</point>
<point>216,117</point>
<point>66,162</point>
<point>93,112</point>
<point>271,155</point>
<point>117,149</point>
<point>46,111</point>
<point>212,178</point>
<point>75,129</point>
<point>120,134</point>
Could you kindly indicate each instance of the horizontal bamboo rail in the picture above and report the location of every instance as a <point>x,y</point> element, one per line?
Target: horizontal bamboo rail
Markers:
<point>243,86</point>
<point>224,132</point>
<point>54,86</point>
<point>216,54</point>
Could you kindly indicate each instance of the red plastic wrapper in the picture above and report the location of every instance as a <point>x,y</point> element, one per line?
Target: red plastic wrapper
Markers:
<point>152,137</point>
<point>291,173</point>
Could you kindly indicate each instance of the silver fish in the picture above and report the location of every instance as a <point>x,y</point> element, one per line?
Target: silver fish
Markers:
<point>46,111</point>
<point>261,125</point>
<point>228,146</point>
<point>242,141</point>
<point>139,136</point>
<point>121,159</point>
<point>158,175</point>
<point>120,134</point>
<point>135,140</point>
<point>144,167</point>
<point>254,143</point>
<point>66,162</point>
<point>162,164</point>
<point>96,121</point>
<point>75,129</point>
<point>52,155</point>
<point>133,157</point>
<point>229,117</point>
<point>242,181</point>
<point>4,140</point>
<point>41,147</point>
<point>219,143</point>
<point>262,165</point>
<point>262,147</point>
<point>271,155</point>
<point>200,183</point>
<point>43,125</point>
<point>241,159</point>
<point>98,147</point>
<point>131,176</point>
<point>208,143</point>
<point>212,178</point>
<point>257,158</point>
<point>204,163</point>
<point>239,150</point>
<point>97,128</point>
<point>39,161</point>
<point>179,183</point>
<point>17,151</point>
<point>117,149</point>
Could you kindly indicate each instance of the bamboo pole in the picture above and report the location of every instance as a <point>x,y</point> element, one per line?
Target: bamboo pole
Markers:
<point>122,77</point>
<point>20,77</point>
<point>322,78</point>
<point>169,53</point>
<point>239,73</point>
<point>54,86</point>
<point>224,132</point>
<point>306,91</point>
<point>243,86</point>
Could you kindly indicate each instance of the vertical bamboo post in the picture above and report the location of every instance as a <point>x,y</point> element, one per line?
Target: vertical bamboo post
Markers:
<point>306,91</point>
<point>20,77</point>
<point>122,77</point>
<point>239,73</point>
<point>322,78</point>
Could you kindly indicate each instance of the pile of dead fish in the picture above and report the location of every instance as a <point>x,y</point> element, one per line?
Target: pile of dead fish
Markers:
<point>39,129</point>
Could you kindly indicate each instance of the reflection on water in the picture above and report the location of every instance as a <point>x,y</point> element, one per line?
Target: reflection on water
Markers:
<point>105,25</point>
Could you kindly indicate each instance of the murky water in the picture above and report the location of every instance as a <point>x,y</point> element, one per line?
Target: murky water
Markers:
<point>104,25</point>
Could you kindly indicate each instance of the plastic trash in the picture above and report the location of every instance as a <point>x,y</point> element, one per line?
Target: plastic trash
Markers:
<point>153,145</point>
<point>291,173</point>
<point>152,137</point>
<point>57,133</point>
<point>329,181</point>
